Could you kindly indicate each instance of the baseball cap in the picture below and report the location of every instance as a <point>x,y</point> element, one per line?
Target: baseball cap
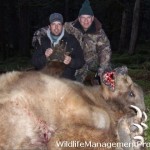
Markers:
<point>56,17</point>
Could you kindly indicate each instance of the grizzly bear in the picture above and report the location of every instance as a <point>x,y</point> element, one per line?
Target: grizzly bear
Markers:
<point>39,111</point>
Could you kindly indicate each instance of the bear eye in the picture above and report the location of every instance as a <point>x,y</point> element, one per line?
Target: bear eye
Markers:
<point>131,94</point>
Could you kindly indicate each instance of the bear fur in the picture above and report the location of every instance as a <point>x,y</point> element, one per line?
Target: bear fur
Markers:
<point>38,110</point>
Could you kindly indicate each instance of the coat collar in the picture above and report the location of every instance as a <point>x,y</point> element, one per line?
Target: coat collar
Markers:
<point>94,28</point>
<point>58,39</point>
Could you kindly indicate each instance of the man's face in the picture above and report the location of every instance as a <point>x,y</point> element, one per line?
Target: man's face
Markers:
<point>56,28</point>
<point>86,21</point>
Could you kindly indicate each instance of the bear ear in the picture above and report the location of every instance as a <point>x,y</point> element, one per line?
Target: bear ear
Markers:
<point>108,78</point>
<point>121,70</point>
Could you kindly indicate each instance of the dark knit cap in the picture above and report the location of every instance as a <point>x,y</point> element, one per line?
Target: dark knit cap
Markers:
<point>86,9</point>
<point>56,17</point>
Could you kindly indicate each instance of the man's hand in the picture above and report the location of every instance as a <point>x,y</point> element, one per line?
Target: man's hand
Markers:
<point>48,52</point>
<point>67,60</point>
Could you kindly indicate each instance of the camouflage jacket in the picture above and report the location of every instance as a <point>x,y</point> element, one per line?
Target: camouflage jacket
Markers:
<point>94,42</point>
<point>42,32</point>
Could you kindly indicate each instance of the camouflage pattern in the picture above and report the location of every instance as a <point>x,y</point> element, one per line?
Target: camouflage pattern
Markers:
<point>38,34</point>
<point>96,47</point>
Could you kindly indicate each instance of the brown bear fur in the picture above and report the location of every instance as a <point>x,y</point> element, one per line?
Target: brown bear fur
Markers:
<point>37,110</point>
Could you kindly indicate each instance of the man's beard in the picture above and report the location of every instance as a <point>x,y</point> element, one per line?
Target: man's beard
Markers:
<point>55,34</point>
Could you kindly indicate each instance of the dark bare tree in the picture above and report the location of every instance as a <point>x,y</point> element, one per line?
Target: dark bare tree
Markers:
<point>66,10</point>
<point>135,25</point>
<point>23,13</point>
<point>124,26</point>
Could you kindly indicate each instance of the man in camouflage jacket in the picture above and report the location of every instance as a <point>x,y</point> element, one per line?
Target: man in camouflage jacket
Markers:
<point>54,44</point>
<point>93,40</point>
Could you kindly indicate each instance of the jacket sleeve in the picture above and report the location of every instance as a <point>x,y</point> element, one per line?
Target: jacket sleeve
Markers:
<point>39,59</point>
<point>38,35</point>
<point>77,56</point>
<point>104,50</point>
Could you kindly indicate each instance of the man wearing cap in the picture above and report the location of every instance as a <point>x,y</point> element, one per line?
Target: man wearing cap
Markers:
<point>93,40</point>
<point>55,37</point>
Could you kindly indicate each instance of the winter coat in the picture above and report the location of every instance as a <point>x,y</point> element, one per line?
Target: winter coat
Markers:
<point>94,42</point>
<point>41,42</point>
